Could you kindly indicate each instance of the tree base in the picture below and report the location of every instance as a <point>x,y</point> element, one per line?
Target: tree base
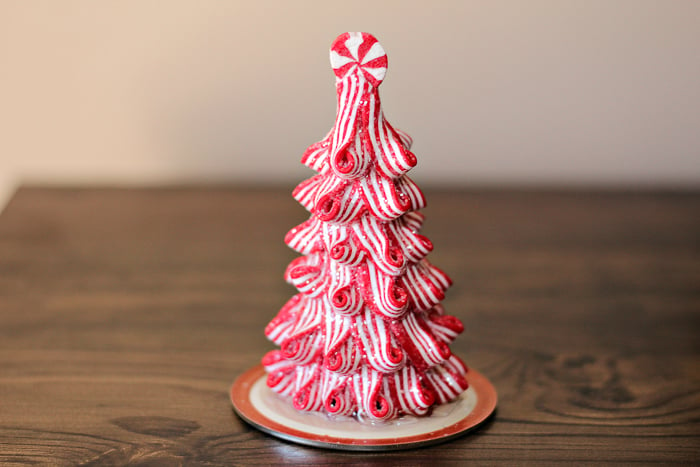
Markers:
<point>255,403</point>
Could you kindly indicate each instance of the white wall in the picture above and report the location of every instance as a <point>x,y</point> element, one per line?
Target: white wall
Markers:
<point>525,92</point>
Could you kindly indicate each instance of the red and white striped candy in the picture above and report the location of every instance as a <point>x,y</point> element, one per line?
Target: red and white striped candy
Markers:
<point>355,53</point>
<point>337,394</point>
<point>448,379</point>
<point>343,297</point>
<point>316,156</point>
<point>383,197</point>
<point>304,342</point>
<point>444,327</point>
<point>408,188</point>
<point>425,284</point>
<point>308,274</point>
<point>281,373</point>
<point>339,204</point>
<point>378,244</point>
<point>413,396</point>
<point>306,192</point>
<point>422,348</point>
<point>414,246</point>
<point>307,395</point>
<point>305,238</point>
<point>341,353</point>
<point>413,220</point>
<point>372,393</point>
<point>382,352</point>
<point>382,292</point>
<point>365,335</point>
<point>279,328</point>
<point>359,63</point>
<point>391,154</point>
<point>341,245</point>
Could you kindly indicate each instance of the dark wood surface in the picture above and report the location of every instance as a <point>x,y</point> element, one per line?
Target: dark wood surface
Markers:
<point>125,315</point>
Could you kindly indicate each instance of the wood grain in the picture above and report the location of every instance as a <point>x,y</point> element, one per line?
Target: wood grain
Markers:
<point>126,314</point>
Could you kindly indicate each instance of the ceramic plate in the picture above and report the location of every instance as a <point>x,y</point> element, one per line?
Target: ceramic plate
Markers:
<point>258,405</point>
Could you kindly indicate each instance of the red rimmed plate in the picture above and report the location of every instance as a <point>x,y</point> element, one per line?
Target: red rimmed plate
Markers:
<point>255,403</point>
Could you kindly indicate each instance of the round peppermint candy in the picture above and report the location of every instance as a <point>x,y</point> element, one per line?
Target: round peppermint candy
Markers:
<point>358,52</point>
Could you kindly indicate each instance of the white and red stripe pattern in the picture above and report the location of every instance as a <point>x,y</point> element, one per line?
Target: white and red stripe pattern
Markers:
<point>421,347</point>
<point>358,54</point>
<point>413,221</point>
<point>412,395</point>
<point>345,358</point>
<point>372,394</point>
<point>456,366</point>
<point>341,354</point>
<point>366,335</point>
<point>341,205</point>
<point>279,328</point>
<point>316,156</point>
<point>448,380</point>
<point>341,245</point>
<point>305,238</point>
<point>392,157</point>
<point>281,373</point>
<point>382,197</point>
<point>380,348</point>
<point>346,300</point>
<point>375,240</point>
<point>308,274</point>
<point>329,198</point>
<point>414,245</point>
<point>382,292</point>
<point>352,161</point>
<point>343,296</point>
<point>390,147</point>
<point>306,192</point>
<point>425,284</point>
<point>304,341</point>
<point>408,188</point>
<point>444,327</point>
<point>307,395</point>
<point>405,138</point>
<point>359,63</point>
<point>337,393</point>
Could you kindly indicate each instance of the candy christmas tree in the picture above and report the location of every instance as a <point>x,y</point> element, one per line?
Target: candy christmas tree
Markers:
<point>364,359</point>
<point>366,335</point>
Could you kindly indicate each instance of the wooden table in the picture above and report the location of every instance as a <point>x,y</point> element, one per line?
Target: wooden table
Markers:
<point>125,315</point>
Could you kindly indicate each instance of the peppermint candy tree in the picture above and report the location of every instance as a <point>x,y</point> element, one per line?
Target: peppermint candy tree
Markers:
<point>366,335</point>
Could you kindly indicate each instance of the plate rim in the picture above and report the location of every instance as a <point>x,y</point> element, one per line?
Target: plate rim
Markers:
<point>485,407</point>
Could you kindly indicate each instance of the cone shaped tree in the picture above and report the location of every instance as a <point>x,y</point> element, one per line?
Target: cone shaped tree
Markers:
<point>366,335</point>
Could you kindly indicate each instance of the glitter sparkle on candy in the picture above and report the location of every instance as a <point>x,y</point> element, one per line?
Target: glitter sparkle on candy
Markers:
<point>366,335</point>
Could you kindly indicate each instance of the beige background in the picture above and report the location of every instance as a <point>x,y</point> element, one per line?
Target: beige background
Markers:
<point>522,92</point>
